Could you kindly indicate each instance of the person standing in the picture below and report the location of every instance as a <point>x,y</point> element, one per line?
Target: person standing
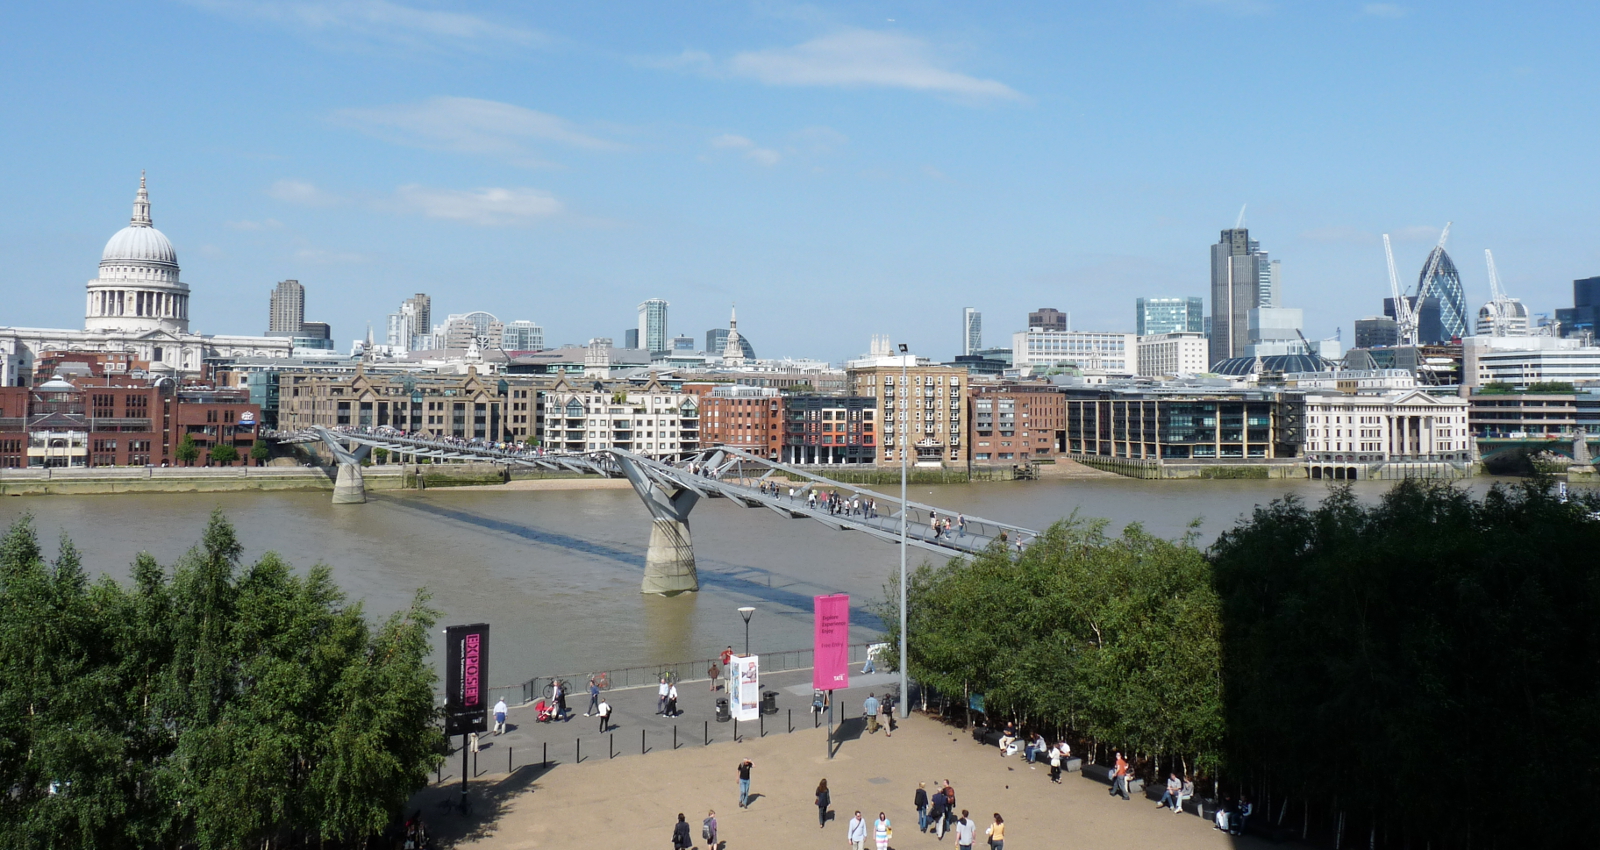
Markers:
<point>965,830</point>
<point>823,799</point>
<point>604,710</point>
<point>708,830</point>
<point>920,800</point>
<point>856,833</point>
<point>938,812</point>
<point>499,717</point>
<point>661,696</point>
<point>594,697</point>
<point>997,833</point>
<point>558,692</point>
<point>713,673</point>
<point>881,831</point>
<point>681,840</point>
<point>672,701</point>
<point>885,718</point>
<point>869,709</point>
<point>744,783</point>
<point>1119,778</point>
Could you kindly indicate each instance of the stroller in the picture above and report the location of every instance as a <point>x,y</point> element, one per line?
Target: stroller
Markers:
<point>543,711</point>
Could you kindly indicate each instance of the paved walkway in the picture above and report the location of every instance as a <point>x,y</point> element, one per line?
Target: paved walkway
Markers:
<point>632,802</point>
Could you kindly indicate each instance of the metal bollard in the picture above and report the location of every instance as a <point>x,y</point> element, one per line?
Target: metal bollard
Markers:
<point>611,746</point>
<point>509,751</point>
<point>791,720</point>
<point>674,736</point>
<point>438,772</point>
<point>577,744</point>
<point>708,733</point>
<point>545,760</point>
<point>736,730</point>
<point>642,750</point>
<point>761,720</point>
<point>475,773</point>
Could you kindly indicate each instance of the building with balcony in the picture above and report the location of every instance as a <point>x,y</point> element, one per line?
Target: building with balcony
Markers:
<point>469,406</point>
<point>927,405</point>
<point>747,418</point>
<point>1015,423</point>
<point>648,419</point>
<point>828,429</point>
<point>1533,415</point>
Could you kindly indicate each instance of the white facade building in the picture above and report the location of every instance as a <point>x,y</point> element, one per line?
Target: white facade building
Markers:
<point>1362,430</point>
<point>1172,354</point>
<point>648,420</point>
<point>523,335</point>
<point>137,304</point>
<point>1523,360</point>
<point>1112,353</point>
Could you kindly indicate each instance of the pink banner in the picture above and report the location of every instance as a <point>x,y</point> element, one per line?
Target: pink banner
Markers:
<point>832,644</point>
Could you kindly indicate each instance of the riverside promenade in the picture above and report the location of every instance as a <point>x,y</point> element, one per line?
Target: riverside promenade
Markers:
<point>632,800</point>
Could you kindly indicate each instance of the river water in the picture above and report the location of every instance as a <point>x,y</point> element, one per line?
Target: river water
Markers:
<point>556,573</point>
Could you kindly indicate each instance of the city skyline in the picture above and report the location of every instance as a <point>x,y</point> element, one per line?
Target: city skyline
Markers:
<point>537,168</point>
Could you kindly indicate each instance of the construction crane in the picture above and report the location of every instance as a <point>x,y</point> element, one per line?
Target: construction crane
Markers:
<point>1497,298</point>
<point>1405,315</point>
<point>1402,309</point>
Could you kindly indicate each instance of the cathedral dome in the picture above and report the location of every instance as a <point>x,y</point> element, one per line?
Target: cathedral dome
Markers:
<point>140,244</point>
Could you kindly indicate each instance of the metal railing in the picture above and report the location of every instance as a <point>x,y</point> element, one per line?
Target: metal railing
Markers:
<point>648,675</point>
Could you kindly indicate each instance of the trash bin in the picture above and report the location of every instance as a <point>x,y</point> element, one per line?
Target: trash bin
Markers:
<point>723,714</point>
<point>769,702</point>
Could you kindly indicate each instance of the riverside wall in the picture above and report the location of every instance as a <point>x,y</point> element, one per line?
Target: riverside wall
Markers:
<point>107,480</point>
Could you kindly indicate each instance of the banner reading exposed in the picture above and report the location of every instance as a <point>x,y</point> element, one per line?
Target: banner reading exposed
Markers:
<point>466,702</point>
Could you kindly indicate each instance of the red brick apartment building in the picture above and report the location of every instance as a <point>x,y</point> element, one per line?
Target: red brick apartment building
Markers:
<point>1016,423</point>
<point>748,418</point>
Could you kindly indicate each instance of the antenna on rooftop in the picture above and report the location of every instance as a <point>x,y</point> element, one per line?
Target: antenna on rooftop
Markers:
<point>1240,222</point>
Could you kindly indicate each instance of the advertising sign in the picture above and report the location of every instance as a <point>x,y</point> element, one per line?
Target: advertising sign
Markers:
<point>466,676</point>
<point>247,418</point>
<point>744,692</point>
<point>831,643</point>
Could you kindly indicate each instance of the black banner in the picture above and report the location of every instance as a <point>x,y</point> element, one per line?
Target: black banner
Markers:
<point>466,652</point>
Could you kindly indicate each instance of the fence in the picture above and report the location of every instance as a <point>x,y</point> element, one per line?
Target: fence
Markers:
<point>648,675</point>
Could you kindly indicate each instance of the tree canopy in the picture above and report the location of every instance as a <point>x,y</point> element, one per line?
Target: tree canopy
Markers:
<point>212,705</point>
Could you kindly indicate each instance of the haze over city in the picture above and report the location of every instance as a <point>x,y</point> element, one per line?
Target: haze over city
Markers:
<point>837,170</point>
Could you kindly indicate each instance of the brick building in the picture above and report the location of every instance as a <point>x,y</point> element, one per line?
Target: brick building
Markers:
<point>931,401</point>
<point>748,418</point>
<point>1016,422</point>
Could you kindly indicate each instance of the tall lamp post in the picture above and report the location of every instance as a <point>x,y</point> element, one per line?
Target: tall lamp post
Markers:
<point>905,695</point>
<point>745,612</point>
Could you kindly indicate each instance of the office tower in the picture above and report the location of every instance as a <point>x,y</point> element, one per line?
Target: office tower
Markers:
<point>1430,324</point>
<point>630,338</point>
<point>1377,331</point>
<point>1445,286</point>
<point>653,325</point>
<point>1048,318</point>
<point>716,338</point>
<point>523,335</point>
<point>1169,316</point>
<point>398,332</point>
<point>971,331</point>
<point>288,309</point>
<point>463,330</point>
<point>1580,318</point>
<point>420,306</point>
<point>1243,278</point>
<point>683,343</point>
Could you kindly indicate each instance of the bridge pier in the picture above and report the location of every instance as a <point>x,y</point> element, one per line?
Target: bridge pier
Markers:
<point>350,488</point>
<point>669,567</point>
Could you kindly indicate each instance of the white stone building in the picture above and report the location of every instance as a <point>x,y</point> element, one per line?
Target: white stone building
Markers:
<point>1112,353</point>
<point>1173,354</point>
<point>137,304</point>
<point>1524,360</point>
<point>648,420</point>
<point>1393,434</point>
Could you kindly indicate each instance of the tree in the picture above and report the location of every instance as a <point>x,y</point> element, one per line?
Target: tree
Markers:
<point>187,451</point>
<point>224,453</point>
<point>260,451</point>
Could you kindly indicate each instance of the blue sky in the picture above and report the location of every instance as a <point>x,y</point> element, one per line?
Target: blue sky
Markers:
<point>836,170</point>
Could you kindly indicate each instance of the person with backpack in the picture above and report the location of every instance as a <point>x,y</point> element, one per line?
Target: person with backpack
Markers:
<point>708,830</point>
<point>938,812</point>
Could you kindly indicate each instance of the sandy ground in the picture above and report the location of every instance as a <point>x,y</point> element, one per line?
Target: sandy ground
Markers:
<point>632,802</point>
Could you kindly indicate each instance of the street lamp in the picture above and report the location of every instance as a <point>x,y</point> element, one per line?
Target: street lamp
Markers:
<point>904,509</point>
<point>745,612</point>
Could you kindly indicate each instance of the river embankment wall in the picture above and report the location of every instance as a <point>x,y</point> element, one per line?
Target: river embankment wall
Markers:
<point>182,479</point>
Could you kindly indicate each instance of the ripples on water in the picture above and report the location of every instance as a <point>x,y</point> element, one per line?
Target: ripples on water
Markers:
<point>557,573</point>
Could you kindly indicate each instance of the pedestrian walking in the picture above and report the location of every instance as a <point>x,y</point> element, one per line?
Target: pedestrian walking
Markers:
<point>661,696</point>
<point>856,833</point>
<point>961,525</point>
<point>594,696</point>
<point>681,840</point>
<point>938,812</point>
<point>885,717</point>
<point>823,799</point>
<point>1119,778</point>
<point>604,710</point>
<point>558,693</point>
<point>997,833</point>
<point>1055,765</point>
<point>869,710</point>
<point>965,830</point>
<point>708,830</point>
<point>672,701</point>
<point>744,783</point>
<point>499,717</point>
<point>714,673</point>
<point>882,831</point>
<point>920,800</point>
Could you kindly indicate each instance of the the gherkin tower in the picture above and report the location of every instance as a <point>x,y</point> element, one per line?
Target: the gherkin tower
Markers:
<point>1445,285</point>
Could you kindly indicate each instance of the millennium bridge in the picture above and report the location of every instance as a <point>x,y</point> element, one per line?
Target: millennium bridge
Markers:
<point>671,486</point>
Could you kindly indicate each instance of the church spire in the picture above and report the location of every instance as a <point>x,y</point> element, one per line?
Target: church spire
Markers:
<point>141,206</point>
<point>733,318</point>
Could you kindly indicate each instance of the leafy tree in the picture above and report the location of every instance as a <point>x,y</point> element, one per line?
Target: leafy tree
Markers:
<point>187,451</point>
<point>380,455</point>
<point>224,453</point>
<point>222,707</point>
<point>260,451</point>
<point>1386,661</point>
<point>1551,387</point>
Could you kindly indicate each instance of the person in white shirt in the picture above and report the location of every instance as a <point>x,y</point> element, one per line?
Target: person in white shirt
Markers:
<point>499,717</point>
<point>672,701</point>
<point>661,696</point>
<point>856,833</point>
<point>965,830</point>
<point>605,714</point>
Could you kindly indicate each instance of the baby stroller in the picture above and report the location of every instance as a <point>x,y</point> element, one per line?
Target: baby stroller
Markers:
<point>543,711</point>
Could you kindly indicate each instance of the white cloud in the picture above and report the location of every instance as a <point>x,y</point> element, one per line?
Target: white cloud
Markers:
<point>1384,10</point>
<point>375,21</point>
<point>857,58</point>
<point>470,125</point>
<point>487,206</point>
<point>751,151</point>
<point>302,193</point>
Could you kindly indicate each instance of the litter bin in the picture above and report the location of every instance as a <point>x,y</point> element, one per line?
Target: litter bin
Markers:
<point>723,714</point>
<point>769,702</point>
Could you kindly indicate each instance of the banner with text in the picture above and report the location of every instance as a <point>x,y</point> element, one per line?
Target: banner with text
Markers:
<point>744,693</point>
<point>831,643</point>
<point>466,701</point>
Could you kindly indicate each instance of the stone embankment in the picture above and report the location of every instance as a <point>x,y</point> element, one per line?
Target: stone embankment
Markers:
<point>184,479</point>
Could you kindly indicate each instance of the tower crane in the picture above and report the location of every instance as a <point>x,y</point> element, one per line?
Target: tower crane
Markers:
<point>1406,316</point>
<point>1497,297</point>
<point>1402,309</point>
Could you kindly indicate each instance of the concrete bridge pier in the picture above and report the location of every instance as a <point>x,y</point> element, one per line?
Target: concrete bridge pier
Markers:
<point>350,488</point>
<point>669,567</point>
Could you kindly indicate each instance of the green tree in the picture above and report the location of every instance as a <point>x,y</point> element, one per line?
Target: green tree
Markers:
<point>224,453</point>
<point>260,451</point>
<point>187,451</point>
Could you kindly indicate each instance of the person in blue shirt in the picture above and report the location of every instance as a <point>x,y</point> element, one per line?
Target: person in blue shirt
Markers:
<point>870,710</point>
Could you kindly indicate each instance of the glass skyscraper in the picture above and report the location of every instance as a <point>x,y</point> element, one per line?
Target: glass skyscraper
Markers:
<point>653,325</point>
<point>1169,316</point>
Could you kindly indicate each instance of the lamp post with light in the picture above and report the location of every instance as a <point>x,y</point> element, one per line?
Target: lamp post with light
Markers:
<point>904,509</point>
<point>745,612</point>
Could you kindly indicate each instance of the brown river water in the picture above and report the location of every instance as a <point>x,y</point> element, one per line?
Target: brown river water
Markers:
<point>557,574</point>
